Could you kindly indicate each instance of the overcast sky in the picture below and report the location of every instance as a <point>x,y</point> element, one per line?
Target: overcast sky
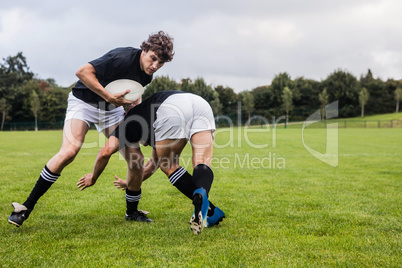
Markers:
<point>240,44</point>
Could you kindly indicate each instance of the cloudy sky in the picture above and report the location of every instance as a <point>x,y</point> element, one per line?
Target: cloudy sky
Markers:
<point>240,44</point>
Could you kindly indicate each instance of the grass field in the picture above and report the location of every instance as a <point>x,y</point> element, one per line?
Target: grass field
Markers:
<point>284,207</point>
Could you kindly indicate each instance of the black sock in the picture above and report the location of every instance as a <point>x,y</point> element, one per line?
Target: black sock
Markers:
<point>203,177</point>
<point>183,181</point>
<point>46,179</point>
<point>132,200</point>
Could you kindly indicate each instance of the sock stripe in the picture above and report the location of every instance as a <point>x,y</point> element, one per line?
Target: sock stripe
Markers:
<point>177,175</point>
<point>48,176</point>
<point>133,198</point>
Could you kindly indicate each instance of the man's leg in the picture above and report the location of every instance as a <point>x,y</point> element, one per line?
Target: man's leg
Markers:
<point>74,132</point>
<point>135,163</point>
<point>109,130</point>
<point>202,145</point>
<point>168,152</point>
<point>183,181</point>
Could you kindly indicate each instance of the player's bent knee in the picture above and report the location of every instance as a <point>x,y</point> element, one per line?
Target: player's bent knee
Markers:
<point>106,152</point>
<point>168,171</point>
<point>67,156</point>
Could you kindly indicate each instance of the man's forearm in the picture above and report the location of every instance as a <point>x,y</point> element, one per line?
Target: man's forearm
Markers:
<point>100,165</point>
<point>87,75</point>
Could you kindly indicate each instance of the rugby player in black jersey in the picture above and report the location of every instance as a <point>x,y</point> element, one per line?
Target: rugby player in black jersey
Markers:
<point>166,121</point>
<point>89,102</point>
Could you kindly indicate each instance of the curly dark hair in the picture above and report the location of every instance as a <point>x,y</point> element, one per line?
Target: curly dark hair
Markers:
<point>160,43</point>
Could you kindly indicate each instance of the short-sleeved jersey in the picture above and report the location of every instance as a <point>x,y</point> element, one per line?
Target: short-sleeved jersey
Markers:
<point>138,123</point>
<point>119,63</point>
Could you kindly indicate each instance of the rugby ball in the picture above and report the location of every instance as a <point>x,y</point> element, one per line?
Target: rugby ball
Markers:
<point>121,85</point>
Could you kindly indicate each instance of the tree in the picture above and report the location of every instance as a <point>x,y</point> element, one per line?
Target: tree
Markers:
<point>278,84</point>
<point>247,101</point>
<point>14,71</point>
<point>35,107</point>
<point>53,105</point>
<point>363,98</point>
<point>323,97</point>
<point>287,101</point>
<point>343,87</point>
<point>261,96</point>
<point>308,100</point>
<point>228,99</point>
<point>398,97</point>
<point>198,87</point>
<point>379,92</point>
<point>160,83</point>
<point>216,105</point>
<point>4,107</point>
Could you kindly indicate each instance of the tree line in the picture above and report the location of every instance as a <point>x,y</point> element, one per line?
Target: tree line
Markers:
<point>296,98</point>
<point>26,98</point>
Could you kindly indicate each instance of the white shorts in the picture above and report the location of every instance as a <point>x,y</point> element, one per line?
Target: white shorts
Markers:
<point>77,109</point>
<point>181,116</point>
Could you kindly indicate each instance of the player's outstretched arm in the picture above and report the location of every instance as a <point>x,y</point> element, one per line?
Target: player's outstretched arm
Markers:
<point>111,147</point>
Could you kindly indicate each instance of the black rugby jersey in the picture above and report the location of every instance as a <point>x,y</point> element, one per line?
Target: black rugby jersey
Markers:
<point>137,126</point>
<point>119,63</point>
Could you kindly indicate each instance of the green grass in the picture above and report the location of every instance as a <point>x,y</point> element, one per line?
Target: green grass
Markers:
<point>284,207</point>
